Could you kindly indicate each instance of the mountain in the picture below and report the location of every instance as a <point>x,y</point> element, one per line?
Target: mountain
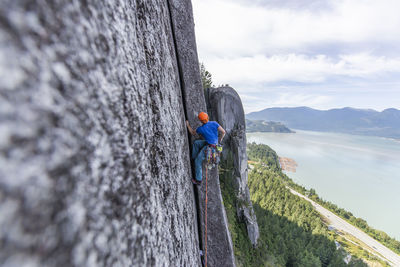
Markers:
<point>344,120</point>
<point>266,126</point>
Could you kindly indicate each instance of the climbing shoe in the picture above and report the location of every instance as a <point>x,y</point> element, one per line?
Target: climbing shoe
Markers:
<point>194,181</point>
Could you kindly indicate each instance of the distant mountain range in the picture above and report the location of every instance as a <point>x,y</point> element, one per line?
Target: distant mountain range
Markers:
<point>344,120</point>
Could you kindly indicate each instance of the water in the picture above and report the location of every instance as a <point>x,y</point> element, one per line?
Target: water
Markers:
<point>358,173</point>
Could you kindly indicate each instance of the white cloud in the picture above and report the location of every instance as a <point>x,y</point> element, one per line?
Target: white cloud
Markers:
<point>294,100</point>
<point>283,52</point>
<point>227,28</point>
<point>284,99</point>
<point>299,68</point>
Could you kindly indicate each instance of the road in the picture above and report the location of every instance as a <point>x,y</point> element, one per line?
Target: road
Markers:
<point>343,226</point>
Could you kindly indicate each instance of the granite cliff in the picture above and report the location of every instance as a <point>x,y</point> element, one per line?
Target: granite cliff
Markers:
<point>94,153</point>
<point>94,150</point>
<point>225,106</point>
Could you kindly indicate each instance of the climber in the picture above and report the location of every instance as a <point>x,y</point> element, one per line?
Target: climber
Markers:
<point>209,131</point>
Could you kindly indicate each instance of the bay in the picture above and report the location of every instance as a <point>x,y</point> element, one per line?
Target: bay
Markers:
<point>358,173</point>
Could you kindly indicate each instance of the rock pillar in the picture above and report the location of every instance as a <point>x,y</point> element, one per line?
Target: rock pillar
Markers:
<point>226,107</point>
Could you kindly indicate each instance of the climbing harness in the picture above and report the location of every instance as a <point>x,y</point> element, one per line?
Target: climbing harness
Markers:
<point>213,153</point>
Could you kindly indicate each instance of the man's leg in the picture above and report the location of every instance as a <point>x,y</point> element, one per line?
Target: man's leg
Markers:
<point>198,162</point>
<point>197,146</point>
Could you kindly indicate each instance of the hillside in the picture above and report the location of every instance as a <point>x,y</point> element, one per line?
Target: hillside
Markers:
<point>265,169</point>
<point>266,126</point>
<point>291,231</point>
<point>345,120</point>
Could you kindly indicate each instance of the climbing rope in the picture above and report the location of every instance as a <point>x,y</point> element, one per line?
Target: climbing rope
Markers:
<point>206,220</point>
<point>212,157</point>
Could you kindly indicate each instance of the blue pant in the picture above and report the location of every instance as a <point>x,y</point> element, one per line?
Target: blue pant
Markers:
<point>198,155</point>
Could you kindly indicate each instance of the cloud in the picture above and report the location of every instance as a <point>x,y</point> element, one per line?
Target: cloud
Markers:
<point>310,52</point>
<point>293,97</point>
<point>294,100</point>
<point>284,99</point>
<point>292,4</point>
<point>227,28</point>
<point>299,68</point>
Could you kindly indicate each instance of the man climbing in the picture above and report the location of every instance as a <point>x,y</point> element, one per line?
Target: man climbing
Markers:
<point>209,131</point>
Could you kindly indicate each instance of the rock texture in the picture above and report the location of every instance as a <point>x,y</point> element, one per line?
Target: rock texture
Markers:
<point>193,93</point>
<point>93,148</point>
<point>226,107</point>
<point>219,243</point>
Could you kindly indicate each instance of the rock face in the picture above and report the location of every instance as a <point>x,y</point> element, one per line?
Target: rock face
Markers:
<point>183,25</point>
<point>219,243</point>
<point>93,148</point>
<point>225,106</point>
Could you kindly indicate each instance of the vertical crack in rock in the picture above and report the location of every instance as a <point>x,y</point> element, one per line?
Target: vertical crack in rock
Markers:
<point>181,74</point>
<point>182,86</point>
<point>220,249</point>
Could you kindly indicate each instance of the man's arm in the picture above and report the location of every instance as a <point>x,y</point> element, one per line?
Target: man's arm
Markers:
<point>222,131</point>
<point>191,131</point>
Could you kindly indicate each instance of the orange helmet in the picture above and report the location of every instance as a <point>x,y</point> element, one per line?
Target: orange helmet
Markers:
<point>203,117</point>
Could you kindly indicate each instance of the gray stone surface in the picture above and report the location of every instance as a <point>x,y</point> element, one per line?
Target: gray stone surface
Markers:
<point>219,243</point>
<point>226,107</point>
<point>188,63</point>
<point>220,250</point>
<point>94,160</point>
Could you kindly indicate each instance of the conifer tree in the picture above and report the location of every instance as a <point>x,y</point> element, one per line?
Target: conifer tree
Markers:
<point>206,77</point>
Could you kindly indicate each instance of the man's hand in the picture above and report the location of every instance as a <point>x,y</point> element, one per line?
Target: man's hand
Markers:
<point>222,131</point>
<point>191,131</point>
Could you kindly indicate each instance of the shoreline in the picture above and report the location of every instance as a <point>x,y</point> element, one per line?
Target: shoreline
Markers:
<point>396,139</point>
<point>339,177</point>
<point>287,164</point>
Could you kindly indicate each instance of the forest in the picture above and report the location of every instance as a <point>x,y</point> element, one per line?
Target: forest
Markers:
<point>291,231</point>
<point>266,126</point>
<point>381,236</point>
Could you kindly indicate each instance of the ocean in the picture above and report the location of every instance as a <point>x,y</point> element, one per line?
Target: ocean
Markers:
<point>358,173</point>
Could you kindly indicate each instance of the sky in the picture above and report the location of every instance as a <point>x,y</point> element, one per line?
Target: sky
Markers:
<point>318,53</point>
